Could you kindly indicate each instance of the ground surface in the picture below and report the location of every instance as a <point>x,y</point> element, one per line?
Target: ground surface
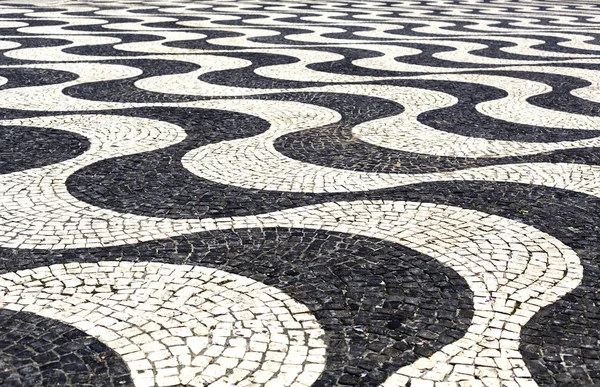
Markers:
<point>310,193</point>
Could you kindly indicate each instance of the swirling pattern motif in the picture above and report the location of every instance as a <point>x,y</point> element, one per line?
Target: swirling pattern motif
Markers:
<point>275,193</point>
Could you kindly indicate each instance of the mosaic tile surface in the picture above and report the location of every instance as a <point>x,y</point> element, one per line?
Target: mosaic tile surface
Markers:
<point>300,193</point>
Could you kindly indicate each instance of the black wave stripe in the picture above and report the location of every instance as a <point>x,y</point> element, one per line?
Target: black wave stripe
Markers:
<point>134,19</point>
<point>334,146</point>
<point>156,182</point>
<point>409,28</point>
<point>551,45</point>
<point>31,22</point>
<point>493,50</point>
<point>560,344</point>
<point>353,15</point>
<point>426,58</point>
<point>39,351</point>
<point>299,17</point>
<point>350,34</point>
<point>244,18</point>
<point>27,7</point>
<point>534,19</point>
<point>248,78</point>
<point>275,40</point>
<point>560,97</point>
<point>124,90</point>
<point>571,217</point>
<point>24,147</point>
<point>197,9</point>
<point>174,25</point>
<point>382,305</point>
<point>100,27</point>
<point>281,38</point>
<point>109,50</point>
<point>27,77</point>
<point>461,26</point>
<point>29,43</point>
<point>206,44</point>
<point>462,118</point>
<point>241,22</point>
<point>93,13</point>
<point>346,67</point>
<point>149,10</point>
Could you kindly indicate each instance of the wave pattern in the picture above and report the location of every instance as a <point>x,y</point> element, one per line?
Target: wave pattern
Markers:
<point>277,193</point>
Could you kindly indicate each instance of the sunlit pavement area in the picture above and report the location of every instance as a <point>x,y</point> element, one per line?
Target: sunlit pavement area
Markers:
<point>300,193</point>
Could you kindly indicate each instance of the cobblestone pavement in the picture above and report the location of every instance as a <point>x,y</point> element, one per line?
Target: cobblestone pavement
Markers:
<point>300,193</point>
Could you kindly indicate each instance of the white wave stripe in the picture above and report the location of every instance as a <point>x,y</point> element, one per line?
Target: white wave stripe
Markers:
<point>39,196</point>
<point>82,39</point>
<point>63,29</point>
<point>574,40</point>
<point>254,163</point>
<point>589,92</point>
<point>402,132</point>
<point>178,324</point>
<point>415,225</point>
<point>12,24</point>
<point>299,71</point>
<point>515,108</point>
<point>513,270</point>
<point>56,53</point>
<point>6,44</point>
<point>159,47</point>
<point>140,25</point>
<point>52,98</point>
<point>512,108</point>
<point>9,10</point>
<point>67,6</point>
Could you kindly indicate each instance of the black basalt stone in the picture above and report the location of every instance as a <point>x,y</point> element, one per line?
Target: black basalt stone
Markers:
<point>39,351</point>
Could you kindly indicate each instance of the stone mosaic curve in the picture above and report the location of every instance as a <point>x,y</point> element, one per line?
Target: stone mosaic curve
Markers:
<point>195,125</point>
<point>38,350</point>
<point>157,317</point>
<point>389,321</point>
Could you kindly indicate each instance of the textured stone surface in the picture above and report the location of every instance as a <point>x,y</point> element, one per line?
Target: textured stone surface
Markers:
<point>260,193</point>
